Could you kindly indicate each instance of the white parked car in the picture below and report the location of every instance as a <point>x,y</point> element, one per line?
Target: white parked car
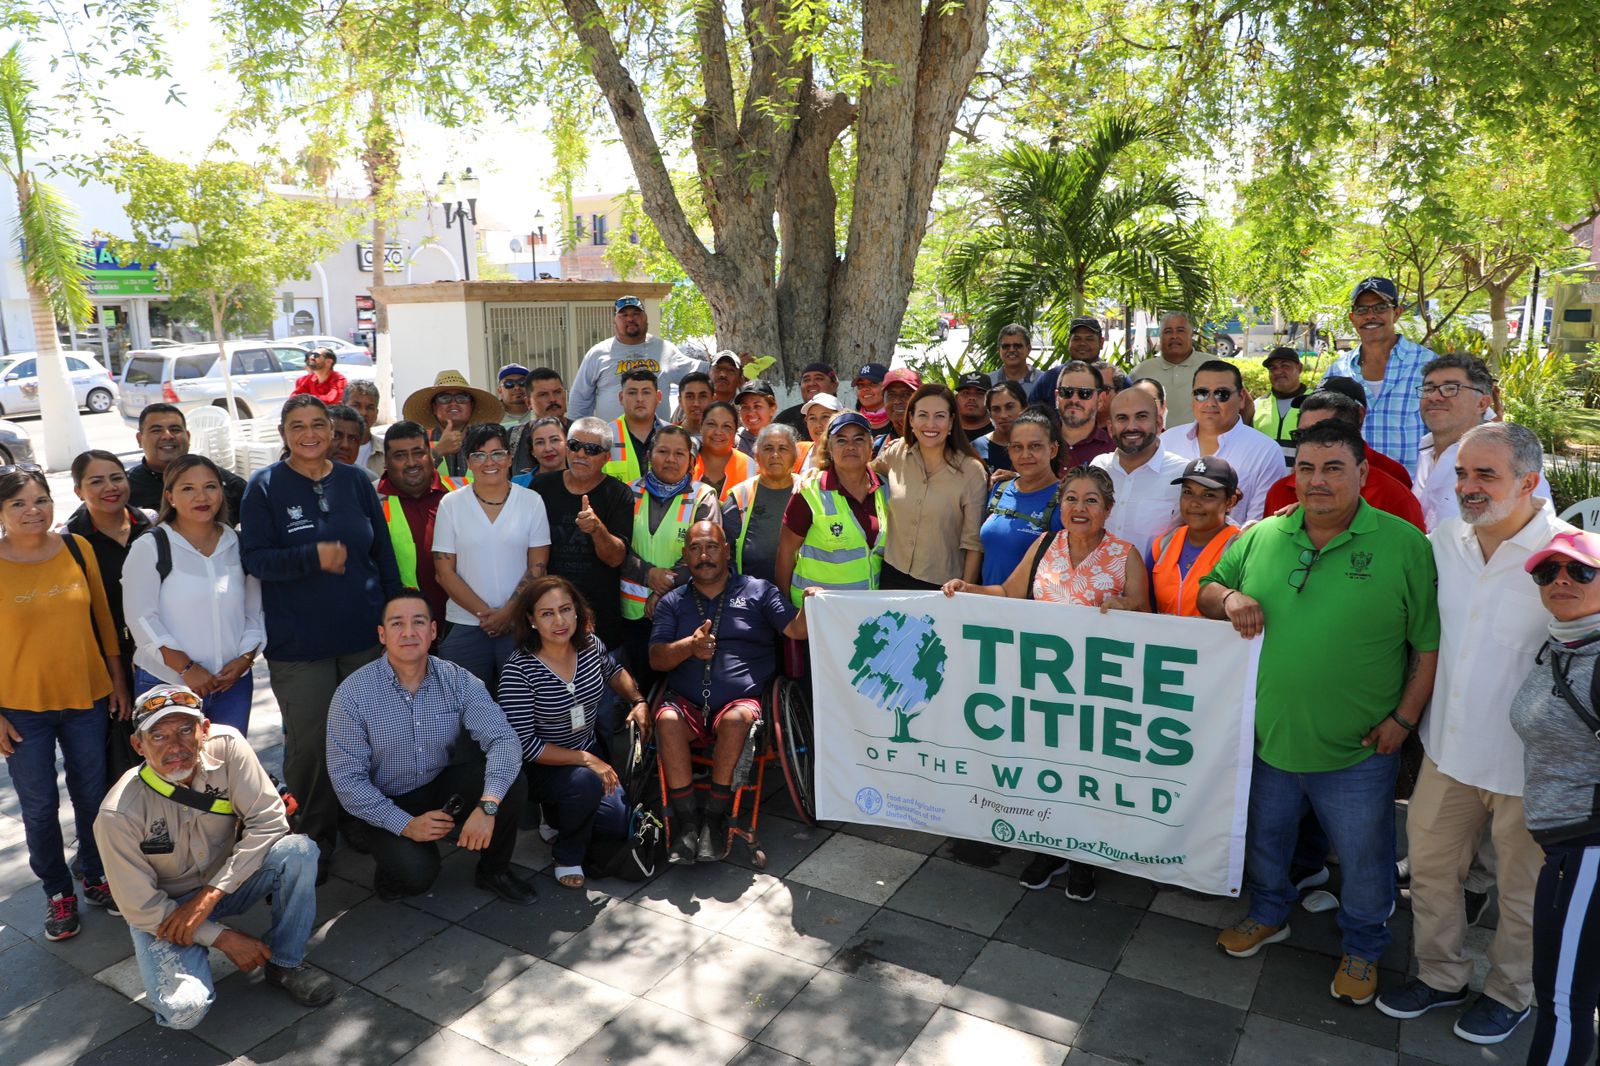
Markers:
<point>264,373</point>
<point>346,353</point>
<point>92,384</point>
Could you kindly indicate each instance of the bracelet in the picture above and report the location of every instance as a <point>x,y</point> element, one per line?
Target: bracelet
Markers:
<point>1230,592</point>
<point>638,700</point>
<point>1409,727</point>
<point>186,668</point>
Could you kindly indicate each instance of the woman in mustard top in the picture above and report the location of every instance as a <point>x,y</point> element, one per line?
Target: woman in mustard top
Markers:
<point>60,673</point>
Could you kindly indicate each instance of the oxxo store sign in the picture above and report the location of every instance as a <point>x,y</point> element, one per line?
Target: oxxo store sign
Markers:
<point>1120,739</point>
<point>109,278</point>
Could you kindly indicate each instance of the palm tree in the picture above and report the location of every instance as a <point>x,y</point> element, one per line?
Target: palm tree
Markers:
<point>1066,227</point>
<point>57,280</point>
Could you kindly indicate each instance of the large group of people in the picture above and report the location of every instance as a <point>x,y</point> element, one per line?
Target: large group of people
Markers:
<point>458,646</point>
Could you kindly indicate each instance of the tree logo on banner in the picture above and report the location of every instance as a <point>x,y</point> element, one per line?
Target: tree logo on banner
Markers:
<point>898,664</point>
<point>1003,831</point>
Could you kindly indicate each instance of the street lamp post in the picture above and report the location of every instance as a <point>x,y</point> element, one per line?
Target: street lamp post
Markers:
<point>534,239</point>
<point>460,203</point>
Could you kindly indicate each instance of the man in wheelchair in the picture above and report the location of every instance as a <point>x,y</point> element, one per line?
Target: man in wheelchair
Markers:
<point>715,639</point>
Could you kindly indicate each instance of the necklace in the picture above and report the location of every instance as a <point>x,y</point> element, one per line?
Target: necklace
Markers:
<point>491,503</point>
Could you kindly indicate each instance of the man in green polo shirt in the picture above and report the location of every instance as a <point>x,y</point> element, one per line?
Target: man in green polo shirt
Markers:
<point>1335,573</point>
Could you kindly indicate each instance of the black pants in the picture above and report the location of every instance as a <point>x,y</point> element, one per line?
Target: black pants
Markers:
<point>410,866</point>
<point>636,645</point>
<point>899,580</point>
<point>1566,954</point>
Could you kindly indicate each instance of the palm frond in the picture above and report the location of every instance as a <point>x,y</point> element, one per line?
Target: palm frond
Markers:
<point>49,231</point>
<point>14,90</point>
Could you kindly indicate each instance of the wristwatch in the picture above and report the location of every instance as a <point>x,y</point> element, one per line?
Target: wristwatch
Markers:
<point>489,807</point>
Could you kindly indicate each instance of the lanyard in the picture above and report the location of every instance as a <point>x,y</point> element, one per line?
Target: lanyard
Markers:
<point>716,626</point>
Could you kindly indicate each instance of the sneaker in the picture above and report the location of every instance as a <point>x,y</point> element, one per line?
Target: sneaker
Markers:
<point>1080,882</point>
<point>1356,980</point>
<point>1488,1021</point>
<point>99,894</point>
<point>685,842</point>
<point>1414,999</point>
<point>305,984</point>
<point>1249,937</point>
<point>1305,877</point>
<point>61,917</point>
<point>715,840</point>
<point>1043,870</point>
<point>1477,903</point>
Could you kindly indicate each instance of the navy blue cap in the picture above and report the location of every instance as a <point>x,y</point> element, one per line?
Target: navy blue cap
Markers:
<point>1345,386</point>
<point>1384,287</point>
<point>1211,471</point>
<point>873,372</point>
<point>628,301</point>
<point>973,379</point>
<point>819,368</point>
<point>754,388</point>
<point>511,370</point>
<point>1282,353</point>
<point>849,418</point>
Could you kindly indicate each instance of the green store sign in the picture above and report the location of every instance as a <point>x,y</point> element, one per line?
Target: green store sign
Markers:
<point>108,277</point>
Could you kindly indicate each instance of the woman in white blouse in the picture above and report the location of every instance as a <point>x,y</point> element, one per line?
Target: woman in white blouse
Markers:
<point>194,613</point>
<point>490,540</point>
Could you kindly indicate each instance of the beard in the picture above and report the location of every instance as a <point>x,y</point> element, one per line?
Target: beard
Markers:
<point>1494,511</point>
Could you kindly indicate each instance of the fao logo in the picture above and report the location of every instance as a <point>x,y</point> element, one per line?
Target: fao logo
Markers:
<point>1003,831</point>
<point>869,801</point>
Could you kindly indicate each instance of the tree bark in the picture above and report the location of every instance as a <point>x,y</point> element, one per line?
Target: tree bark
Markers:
<point>64,438</point>
<point>220,331</point>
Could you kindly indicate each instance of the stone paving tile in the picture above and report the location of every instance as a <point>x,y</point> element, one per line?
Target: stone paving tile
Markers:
<point>786,842</point>
<point>760,1055</point>
<point>1143,1023</point>
<point>356,1029</point>
<point>908,954</point>
<point>1008,862</point>
<point>1431,1038</point>
<point>368,937</point>
<point>449,1047</point>
<point>252,1012</point>
<point>1076,1057</point>
<point>333,899</point>
<point>453,896</point>
<point>1184,956</point>
<point>542,1014</point>
<point>705,894</point>
<point>1270,1042</point>
<point>733,985</point>
<point>1294,988</point>
<point>10,936</point>
<point>448,975</point>
<point>951,1036</point>
<point>1092,933</point>
<point>962,896</point>
<point>152,1045</point>
<point>1218,912</point>
<point>630,948</point>
<point>648,1034</point>
<point>801,922</point>
<point>102,939</point>
<point>1117,887</point>
<point>1320,933</point>
<point>1029,990</point>
<point>531,852</point>
<point>858,868</point>
<point>561,914</point>
<point>28,973</point>
<point>909,839</point>
<point>866,1024</point>
<point>70,1021</point>
<point>125,977</point>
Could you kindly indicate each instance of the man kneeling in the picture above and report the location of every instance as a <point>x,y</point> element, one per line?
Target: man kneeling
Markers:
<point>196,833</point>
<point>716,639</point>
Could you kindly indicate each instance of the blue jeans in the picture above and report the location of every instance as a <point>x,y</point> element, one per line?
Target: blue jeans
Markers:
<point>230,707</point>
<point>1356,808</point>
<point>82,737</point>
<point>178,979</point>
<point>482,655</point>
<point>582,808</point>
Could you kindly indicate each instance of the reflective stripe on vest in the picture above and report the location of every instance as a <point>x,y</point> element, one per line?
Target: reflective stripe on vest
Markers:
<point>1175,592</point>
<point>744,495</point>
<point>664,547</point>
<point>405,545</point>
<point>450,482</point>
<point>624,464</point>
<point>737,472</point>
<point>169,790</point>
<point>835,554</point>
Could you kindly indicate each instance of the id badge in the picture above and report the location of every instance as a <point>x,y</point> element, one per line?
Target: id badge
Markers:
<point>580,716</point>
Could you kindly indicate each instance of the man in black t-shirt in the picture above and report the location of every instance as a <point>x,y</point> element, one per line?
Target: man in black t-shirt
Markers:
<point>163,435</point>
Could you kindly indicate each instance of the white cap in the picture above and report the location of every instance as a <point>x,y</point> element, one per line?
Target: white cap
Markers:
<point>825,400</point>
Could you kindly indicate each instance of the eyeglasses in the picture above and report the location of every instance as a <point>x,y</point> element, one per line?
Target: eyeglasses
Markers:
<point>499,455</point>
<point>23,468</point>
<point>1373,309</point>
<point>1067,392</point>
<point>453,397</point>
<point>1013,347</point>
<point>1220,395</point>
<point>1299,576</point>
<point>159,700</point>
<point>575,445</point>
<point>322,501</point>
<point>1547,571</point>
<point>1448,389</point>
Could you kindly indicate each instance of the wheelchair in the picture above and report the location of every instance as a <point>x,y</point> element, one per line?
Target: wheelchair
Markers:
<point>783,735</point>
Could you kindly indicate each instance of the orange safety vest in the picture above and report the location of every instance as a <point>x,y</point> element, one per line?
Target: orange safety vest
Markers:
<point>1177,593</point>
<point>805,449</point>
<point>737,471</point>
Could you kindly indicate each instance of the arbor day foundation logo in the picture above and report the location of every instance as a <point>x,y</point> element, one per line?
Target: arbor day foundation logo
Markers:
<point>898,664</point>
<point>1003,831</point>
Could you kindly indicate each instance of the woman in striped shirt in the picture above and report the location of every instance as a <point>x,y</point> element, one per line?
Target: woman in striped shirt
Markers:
<point>551,689</point>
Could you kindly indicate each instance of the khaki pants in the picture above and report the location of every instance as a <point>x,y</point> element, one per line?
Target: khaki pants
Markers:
<point>1444,823</point>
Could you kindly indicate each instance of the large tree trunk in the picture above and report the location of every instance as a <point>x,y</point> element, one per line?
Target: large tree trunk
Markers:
<point>64,438</point>
<point>220,331</point>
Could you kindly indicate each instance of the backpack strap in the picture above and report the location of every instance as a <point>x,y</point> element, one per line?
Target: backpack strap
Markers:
<point>71,541</point>
<point>163,552</point>
<point>1563,688</point>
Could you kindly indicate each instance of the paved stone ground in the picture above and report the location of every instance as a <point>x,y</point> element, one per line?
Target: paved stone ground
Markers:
<point>855,946</point>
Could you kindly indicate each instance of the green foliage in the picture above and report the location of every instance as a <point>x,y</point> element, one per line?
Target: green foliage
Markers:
<point>1535,393</point>
<point>685,312</point>
<point>244,311</point>
<point>1572,481</point>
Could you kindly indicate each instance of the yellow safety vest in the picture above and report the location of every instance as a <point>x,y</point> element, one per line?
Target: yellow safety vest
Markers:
<point>624,464</point>
<point>835,554</point>
<point>664,547</point>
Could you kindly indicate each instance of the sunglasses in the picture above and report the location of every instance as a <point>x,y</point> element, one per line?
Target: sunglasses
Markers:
<point>575,445</point>
<point>1067,392</point>
<point>1302,573</point>
<point>1221,395</point>
<point>21,468</point>
<point>1579,573</point>
<point>322,501</point>
<point>452,397</point>
<point>513,383</point>
<point>150,704</point>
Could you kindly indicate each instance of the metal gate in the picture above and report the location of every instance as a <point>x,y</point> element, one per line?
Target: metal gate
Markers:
<point>545,334</point>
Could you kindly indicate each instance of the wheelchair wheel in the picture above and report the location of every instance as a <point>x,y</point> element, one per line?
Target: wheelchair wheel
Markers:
<point>791,722</point>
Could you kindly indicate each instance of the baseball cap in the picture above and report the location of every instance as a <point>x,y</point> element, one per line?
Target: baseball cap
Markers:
<point>973,379</point>
<point>754,388</point>
<point>819,368</point>
<point>726,354</point>
<point>901,376</point>
<point>511,370</point>
<point>1282,353</point>
<point>1085,323</point>
<point>1210,471</point>
<point>825,400</point>
<point>873,372</point>
<point>1384,287</point>
<point>627,301</point>
<point>1345,387</point>
<point>1576,544</point>
<point>849,418</point>
<point>156,703</point>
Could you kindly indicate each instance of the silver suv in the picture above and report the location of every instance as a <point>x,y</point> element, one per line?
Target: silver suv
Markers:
<point>190,376</point>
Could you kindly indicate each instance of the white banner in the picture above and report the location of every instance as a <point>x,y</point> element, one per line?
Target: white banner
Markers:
<point>1119,739</point>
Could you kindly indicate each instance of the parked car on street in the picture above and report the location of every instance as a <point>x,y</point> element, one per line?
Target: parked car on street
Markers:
<point>92,384</point>
<point>15,444</point>
<point>347,353</point>
<point>264,373</point>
